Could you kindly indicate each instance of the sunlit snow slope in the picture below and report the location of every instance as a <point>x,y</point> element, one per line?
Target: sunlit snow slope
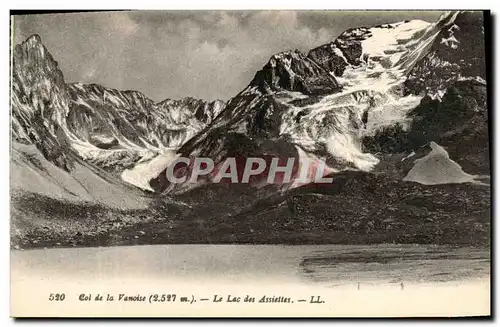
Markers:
<point>436,167</point>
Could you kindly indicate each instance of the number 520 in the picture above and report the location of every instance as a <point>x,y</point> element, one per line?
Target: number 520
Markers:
<point>57,296</point>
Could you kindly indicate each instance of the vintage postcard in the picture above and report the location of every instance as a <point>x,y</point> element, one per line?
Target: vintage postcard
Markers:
<point>250,164</point>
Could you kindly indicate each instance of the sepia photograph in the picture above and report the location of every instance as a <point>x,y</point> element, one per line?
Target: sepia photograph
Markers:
<point>257,163</point>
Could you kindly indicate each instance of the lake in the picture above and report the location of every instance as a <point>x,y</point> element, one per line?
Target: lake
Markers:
<point>325,264</point>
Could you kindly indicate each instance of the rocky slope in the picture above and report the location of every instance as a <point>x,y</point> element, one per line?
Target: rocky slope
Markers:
<point>39,100</point>
<point>358,208</point>
<point>457,54</point>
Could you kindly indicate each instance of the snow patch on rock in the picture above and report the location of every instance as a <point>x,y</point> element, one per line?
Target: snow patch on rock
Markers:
<point>437,168</point>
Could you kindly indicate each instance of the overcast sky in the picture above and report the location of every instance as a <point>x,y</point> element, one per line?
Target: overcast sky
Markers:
<point>168,54</point>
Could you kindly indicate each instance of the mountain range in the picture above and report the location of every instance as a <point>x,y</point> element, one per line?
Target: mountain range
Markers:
<point>399,108</point>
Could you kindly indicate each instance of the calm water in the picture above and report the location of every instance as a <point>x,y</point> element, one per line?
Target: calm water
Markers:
<point>329,264</point>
